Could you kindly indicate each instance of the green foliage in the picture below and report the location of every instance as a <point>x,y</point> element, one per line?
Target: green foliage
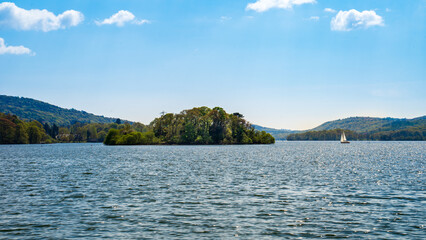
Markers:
<point>94,132</point>
<point>101,136</point>
<point>21,135</point>
<point>194,126</point>
<point>112,137</point>
<point>140,127</point>
<point>7,131</point>
<point>34,133</point>
<point>15,131</point>
<point>123,137</point>
<point>189,135</point>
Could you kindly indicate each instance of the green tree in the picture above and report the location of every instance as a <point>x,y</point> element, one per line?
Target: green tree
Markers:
<point>34,132</point>
<point>7,131</point>
<point>21,135</point>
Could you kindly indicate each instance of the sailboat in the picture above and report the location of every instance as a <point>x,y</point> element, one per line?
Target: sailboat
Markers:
<point>343,138</point>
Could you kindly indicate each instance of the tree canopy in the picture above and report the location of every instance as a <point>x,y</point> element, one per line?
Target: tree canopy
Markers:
<point>200,125</point>
<point>15,131</point>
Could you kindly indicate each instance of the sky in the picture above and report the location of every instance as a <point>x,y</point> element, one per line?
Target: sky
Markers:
<point>290,64</point>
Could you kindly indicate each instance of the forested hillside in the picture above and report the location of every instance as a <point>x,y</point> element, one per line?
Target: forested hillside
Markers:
<point>30,109</point>
<point>369,124</point>
<point>417,133</point>
<point>367,128</point>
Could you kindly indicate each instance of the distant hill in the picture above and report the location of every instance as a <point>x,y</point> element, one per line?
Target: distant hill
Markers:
<point>374,127</point>
<point>367,128</point>
<point>279,134</point>
<point>370,124</point>
<point>30,109</point>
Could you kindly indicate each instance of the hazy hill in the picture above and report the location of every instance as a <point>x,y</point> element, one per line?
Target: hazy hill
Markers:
<point>369,124</point>
<point>279,134</point>
<point>367,128</point>
<point>376,127</point>
<point>30,109</point>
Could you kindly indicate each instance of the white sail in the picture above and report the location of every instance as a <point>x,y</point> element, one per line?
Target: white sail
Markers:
<point>343,137</point>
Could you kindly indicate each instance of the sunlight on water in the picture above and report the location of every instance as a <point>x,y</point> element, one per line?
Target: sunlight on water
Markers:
<point>287,190</point>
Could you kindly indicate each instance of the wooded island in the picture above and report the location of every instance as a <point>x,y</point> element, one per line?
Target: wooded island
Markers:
<point>194,126</point>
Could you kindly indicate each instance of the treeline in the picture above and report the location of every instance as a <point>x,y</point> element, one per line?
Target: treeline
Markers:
<point>93,132</point>
<point>195,126</point>
<point>15,131</point>
<point>324,135</point>
<point>409,134</point>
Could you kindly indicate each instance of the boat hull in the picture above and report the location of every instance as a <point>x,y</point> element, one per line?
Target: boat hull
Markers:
<point>345,142</point>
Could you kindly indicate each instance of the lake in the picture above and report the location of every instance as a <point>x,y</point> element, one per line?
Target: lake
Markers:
<point>364,190</point>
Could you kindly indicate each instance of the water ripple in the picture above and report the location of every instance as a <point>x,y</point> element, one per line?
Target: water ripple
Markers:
<point>365,190</point>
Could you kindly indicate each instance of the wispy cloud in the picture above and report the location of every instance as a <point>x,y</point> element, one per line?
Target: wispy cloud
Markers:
<point>386,93</point>
<point>18,18</point>
<point>353,19</point>
<point>225,18</point>
<point>16,50</point>
<point>264,5</point>
<point>330,10</point>
<point>121,18</point>
<point>140,22</point>
<point>314,18</point>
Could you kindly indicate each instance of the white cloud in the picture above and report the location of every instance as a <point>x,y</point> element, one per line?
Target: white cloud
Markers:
<point>34,19</point>
<point>264,5</point>
<point>122,17</point>
<point>314,18</point>
<point>330,10</point>
<point>17,50</point>
<point>225,18</point>
<point>353,19</point>
<point>386,93</point>
<point>140,22</point>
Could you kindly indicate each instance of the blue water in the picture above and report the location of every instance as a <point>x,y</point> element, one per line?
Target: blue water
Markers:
<point>364,190</point>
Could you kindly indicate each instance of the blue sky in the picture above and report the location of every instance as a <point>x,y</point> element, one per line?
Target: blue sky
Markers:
<point>282,63</point>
